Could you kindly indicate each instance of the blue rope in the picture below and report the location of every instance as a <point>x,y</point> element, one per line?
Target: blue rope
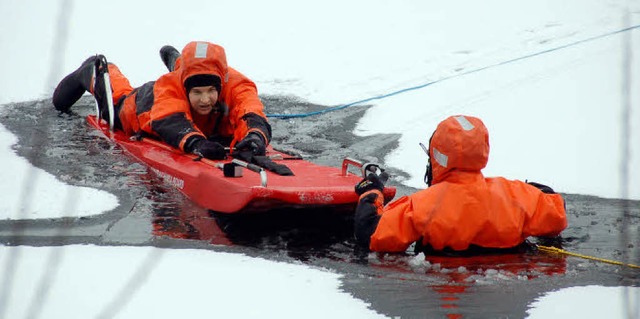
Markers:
<point>417,87</point>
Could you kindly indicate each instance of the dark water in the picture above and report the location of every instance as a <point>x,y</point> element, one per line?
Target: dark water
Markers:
<point>403,285</point>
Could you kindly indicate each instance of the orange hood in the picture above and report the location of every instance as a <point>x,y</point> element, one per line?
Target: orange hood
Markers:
<point>459,143</point>
<point>203,58</point>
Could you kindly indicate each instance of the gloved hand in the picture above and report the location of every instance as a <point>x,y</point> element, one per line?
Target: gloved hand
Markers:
<point>209,150</point>
<point>252,142</point>
<point>372,182</point>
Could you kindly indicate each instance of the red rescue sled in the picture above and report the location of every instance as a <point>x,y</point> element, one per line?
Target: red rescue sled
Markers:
<point>203,181</point>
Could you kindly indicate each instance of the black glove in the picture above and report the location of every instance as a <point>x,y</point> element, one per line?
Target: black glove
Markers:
<point>252,142</point>
<point>372,181</point>
<point>208,149</point>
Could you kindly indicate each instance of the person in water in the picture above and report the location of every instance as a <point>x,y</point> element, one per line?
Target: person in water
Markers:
<point>201,106</point>
<point>460,209</point>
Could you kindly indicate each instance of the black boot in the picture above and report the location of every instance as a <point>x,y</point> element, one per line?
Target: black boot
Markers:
<point>169,55</point>
<point>71,88</point>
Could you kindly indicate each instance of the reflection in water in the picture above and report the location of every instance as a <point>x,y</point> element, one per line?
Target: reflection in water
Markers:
<point>301,234</point>
<point>456,279</point>
<point>465,272</point>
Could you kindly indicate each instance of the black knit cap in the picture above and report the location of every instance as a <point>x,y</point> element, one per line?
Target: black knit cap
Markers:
<point>202,80</point>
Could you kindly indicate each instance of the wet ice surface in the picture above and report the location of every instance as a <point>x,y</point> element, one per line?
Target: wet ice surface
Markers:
<point>406,285</point>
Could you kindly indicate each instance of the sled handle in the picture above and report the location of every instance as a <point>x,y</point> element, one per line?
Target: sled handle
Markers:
<point>255,168</point>
<point>349,161</point>
<point>110,108</point>
<point>365,168</point>
<point>109,98</point>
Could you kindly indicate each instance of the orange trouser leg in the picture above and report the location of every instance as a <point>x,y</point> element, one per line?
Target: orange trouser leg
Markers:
<point>119,83</point>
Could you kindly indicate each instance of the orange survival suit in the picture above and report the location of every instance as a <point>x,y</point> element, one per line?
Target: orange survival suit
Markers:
<point>461,207</point>
<point>161,108</point>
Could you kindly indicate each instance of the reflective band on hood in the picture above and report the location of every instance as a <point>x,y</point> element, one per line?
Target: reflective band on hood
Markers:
<point>440,158</point>
<point>201,50</point>
<point>466,125</point>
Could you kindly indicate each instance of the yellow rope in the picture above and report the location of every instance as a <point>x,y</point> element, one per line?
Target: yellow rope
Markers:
<point>549,249</point>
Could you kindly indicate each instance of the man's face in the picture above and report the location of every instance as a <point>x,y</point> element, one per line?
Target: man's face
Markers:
<point>203,98</point>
